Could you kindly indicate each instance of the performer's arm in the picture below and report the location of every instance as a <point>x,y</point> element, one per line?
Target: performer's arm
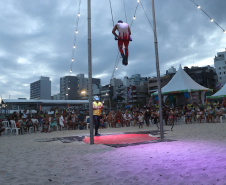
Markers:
<point>113,31</point>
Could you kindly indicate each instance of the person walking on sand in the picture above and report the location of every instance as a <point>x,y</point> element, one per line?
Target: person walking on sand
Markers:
<point>97,107</point>
<point>123,38</point>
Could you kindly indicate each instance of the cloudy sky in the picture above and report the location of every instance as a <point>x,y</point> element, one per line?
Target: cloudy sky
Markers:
<point>36,39</point>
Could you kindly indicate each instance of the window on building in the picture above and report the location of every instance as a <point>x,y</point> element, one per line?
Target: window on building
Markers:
<point>220,73</point>
<point>219,67</point>
<point>220,78</point>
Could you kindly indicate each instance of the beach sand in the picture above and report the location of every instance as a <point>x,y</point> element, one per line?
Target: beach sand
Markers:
<point>190,154</point>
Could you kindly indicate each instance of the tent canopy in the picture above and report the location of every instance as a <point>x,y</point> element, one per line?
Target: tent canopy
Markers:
<point>219,94</point>
<point>181,82</point>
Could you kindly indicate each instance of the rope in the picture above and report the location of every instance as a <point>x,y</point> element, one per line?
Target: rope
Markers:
<point>112,14</point>
<point>125,9</point>
<point>146,15</point>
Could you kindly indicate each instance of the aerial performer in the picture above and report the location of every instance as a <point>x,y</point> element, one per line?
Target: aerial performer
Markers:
<point>123,38</point>
<point>97,107</point>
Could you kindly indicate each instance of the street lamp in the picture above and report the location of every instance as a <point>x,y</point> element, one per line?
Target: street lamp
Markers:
<point>83,93</point>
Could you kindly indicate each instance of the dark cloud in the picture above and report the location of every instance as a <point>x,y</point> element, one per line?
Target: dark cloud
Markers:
<point>36,39</point>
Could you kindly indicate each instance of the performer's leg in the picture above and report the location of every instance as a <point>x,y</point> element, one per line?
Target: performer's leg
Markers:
<point>126,44</point>
<point>120,45</point>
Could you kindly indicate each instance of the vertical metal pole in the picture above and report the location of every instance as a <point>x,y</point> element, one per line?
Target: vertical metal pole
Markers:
<point>90,73</point>
<point>158,72</point>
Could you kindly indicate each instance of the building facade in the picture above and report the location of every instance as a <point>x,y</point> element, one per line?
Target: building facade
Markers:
<point>220,65</point>
<point>69,88</point>
<point>41,89</point>
<point>76,87</point>
<point>205,76</point>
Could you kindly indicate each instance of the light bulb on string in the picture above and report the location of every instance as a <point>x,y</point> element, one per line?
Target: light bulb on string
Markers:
<point>74,46</point>
<point>138,1</point>
<point>72,60</point>
<point>198,6</point>
<point>70,71</point>
<point>211,20</point>
<point>224,31</point>
<point>76,31</point>
<point>116,68</point>
<point>78,14</point>
<point>134,17</point>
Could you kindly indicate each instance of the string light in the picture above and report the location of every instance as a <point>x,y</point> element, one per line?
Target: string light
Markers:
<point>211,19</point>
<point>74,42</point>
<point>134,17</point>
<point>138,1</point>
<point>224,31</point>
<point>116,68</point>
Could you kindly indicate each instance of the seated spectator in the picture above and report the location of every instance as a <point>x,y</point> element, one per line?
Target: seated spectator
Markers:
<point>24,125</point>
<point>211,114</point>
<point>199,115</point>
<point>135,117</point>
<point>188,116</point>
<point>73,120</point>
<point>110,119</point>
<point>18,126</point>
<point>2,129</point>
<point>45,126</point>
<point>53,123</point>
<point>81,119</point>
<point>219,112</point>
<point>127,118</point>
<point>118,118</point>
<point>35,123</point>
<point>29,124</point>
<point>103,120</point>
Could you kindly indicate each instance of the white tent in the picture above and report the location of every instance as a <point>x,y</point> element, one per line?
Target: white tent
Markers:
<point>182,82</point>
<point>219,94</point>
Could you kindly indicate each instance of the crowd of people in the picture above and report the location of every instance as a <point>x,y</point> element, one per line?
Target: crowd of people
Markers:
<point>134,116</point>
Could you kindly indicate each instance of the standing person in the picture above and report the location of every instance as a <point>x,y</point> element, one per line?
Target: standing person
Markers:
<point>123,37</point>
<point>141,120</point>
<point>147,116</point>
<point>97,107</point>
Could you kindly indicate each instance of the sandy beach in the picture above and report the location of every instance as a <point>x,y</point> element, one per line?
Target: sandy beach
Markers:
<point>190,154</point>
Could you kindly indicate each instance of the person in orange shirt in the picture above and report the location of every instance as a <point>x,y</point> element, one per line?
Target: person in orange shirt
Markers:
<point>97,107</point>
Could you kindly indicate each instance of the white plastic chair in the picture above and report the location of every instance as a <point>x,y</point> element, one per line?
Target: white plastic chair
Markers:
<point>13,124</point>
<point>87,124</point>
<point>7,127</point>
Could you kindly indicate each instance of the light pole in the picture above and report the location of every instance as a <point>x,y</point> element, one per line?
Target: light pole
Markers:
<point>90,72</point>
<point>158,72</point>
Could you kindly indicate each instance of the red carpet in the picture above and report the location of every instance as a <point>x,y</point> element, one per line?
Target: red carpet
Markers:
<point>121,139</point>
